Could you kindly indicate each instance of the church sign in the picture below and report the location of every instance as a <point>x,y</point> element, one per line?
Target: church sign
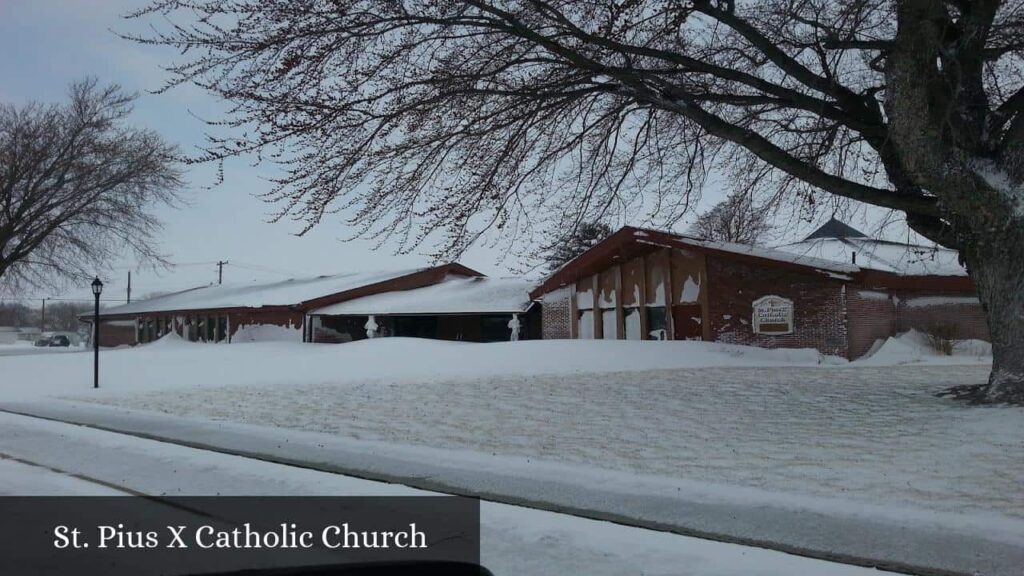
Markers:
<point>773,315</point>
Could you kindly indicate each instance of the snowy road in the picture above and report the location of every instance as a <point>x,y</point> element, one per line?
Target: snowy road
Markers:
<point>516,541</point>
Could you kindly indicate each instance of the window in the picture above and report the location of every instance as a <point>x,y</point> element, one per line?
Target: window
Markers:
<point>336,329</point>
<point>416,326</point>
<point>657,328</point>
<point>222,328</point>
<point>211,329</point>
<point>585,325</point>
<point>631,323</point>
<point>608,331</point>
<point>188,329</point>
<point>495,329</point>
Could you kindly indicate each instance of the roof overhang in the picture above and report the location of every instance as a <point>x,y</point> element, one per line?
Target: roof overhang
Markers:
<point>629,242</point>
<point>427,312</point>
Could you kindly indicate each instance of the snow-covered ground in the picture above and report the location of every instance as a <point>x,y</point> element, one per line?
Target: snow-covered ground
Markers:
<point>514,541</point>
<point>22,347</point>
<point>871,434</point>
<point>913,348</point>
<point>713,413</point>
<point>768,428</point>
<point>174,363</point>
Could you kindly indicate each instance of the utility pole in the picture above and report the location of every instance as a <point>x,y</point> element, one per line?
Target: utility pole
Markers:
<point>42,318</point>
<point>220,270</point>
<point>129,287</point>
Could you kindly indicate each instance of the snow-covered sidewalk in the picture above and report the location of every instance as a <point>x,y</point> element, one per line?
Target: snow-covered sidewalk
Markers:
<point>884,533</point>
<point>515,541</point>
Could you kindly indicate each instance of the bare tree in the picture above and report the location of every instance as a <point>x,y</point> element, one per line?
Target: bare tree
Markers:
<point>457,116</point>
<point>583,238</point>
<point>63,316</point>
<point>77,187</point>
<point>18,315</point>
<point>736,219</point>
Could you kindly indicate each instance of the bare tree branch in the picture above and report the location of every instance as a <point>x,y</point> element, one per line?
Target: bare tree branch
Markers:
<point>77,186</point>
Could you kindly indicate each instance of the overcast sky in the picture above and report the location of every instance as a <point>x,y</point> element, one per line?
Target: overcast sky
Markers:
<point>44,44</point>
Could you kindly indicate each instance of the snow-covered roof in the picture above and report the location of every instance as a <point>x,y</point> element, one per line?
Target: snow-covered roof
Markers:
<point>454,295</point>
<point>622,243</point>
<point>253,295</point>
<point>830,256</point>
<point>779,255</point>
<point>882,255</point>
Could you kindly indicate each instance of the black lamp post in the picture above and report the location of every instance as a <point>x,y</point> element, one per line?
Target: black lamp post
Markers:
<point>97,289</point>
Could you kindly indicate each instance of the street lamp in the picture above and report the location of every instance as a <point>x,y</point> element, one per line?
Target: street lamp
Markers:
<point>97,289</point>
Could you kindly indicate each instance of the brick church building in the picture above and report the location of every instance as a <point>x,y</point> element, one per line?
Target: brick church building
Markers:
<point>838,291</point>
<point>446,302</point>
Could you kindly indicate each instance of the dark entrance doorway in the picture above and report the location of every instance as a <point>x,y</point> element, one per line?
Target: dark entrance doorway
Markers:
<point>686,319</point>
<point>416,326</point>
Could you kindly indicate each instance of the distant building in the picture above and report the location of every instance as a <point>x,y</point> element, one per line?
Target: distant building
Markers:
<point>837,291</point>
<point>449,302</point>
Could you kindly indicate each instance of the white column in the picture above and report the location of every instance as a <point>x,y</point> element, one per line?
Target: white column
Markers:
<point>371,326</point>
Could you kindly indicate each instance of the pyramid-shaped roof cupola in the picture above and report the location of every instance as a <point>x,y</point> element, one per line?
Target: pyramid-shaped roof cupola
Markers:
<point>836,229</point>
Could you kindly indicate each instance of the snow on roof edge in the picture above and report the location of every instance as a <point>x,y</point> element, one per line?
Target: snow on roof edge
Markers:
<point>288,292</point>
<point>453,295</point>
<point>761,252</point>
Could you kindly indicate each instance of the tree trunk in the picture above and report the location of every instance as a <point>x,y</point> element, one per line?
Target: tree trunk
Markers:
<point>943,146</point>
<point>996,266</point>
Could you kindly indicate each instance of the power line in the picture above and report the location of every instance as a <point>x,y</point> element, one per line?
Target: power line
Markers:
<point>33,298</point>
<point>169,264</point>
<point>178,264</point>
<point>259,268</point>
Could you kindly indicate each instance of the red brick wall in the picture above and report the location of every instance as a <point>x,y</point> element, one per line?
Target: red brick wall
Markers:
<point>922,310</point>
<point>555,315</point>
<point>871,315</point>
<point>818,306</point>
<point>117,333</point>
<point>871,318</point>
